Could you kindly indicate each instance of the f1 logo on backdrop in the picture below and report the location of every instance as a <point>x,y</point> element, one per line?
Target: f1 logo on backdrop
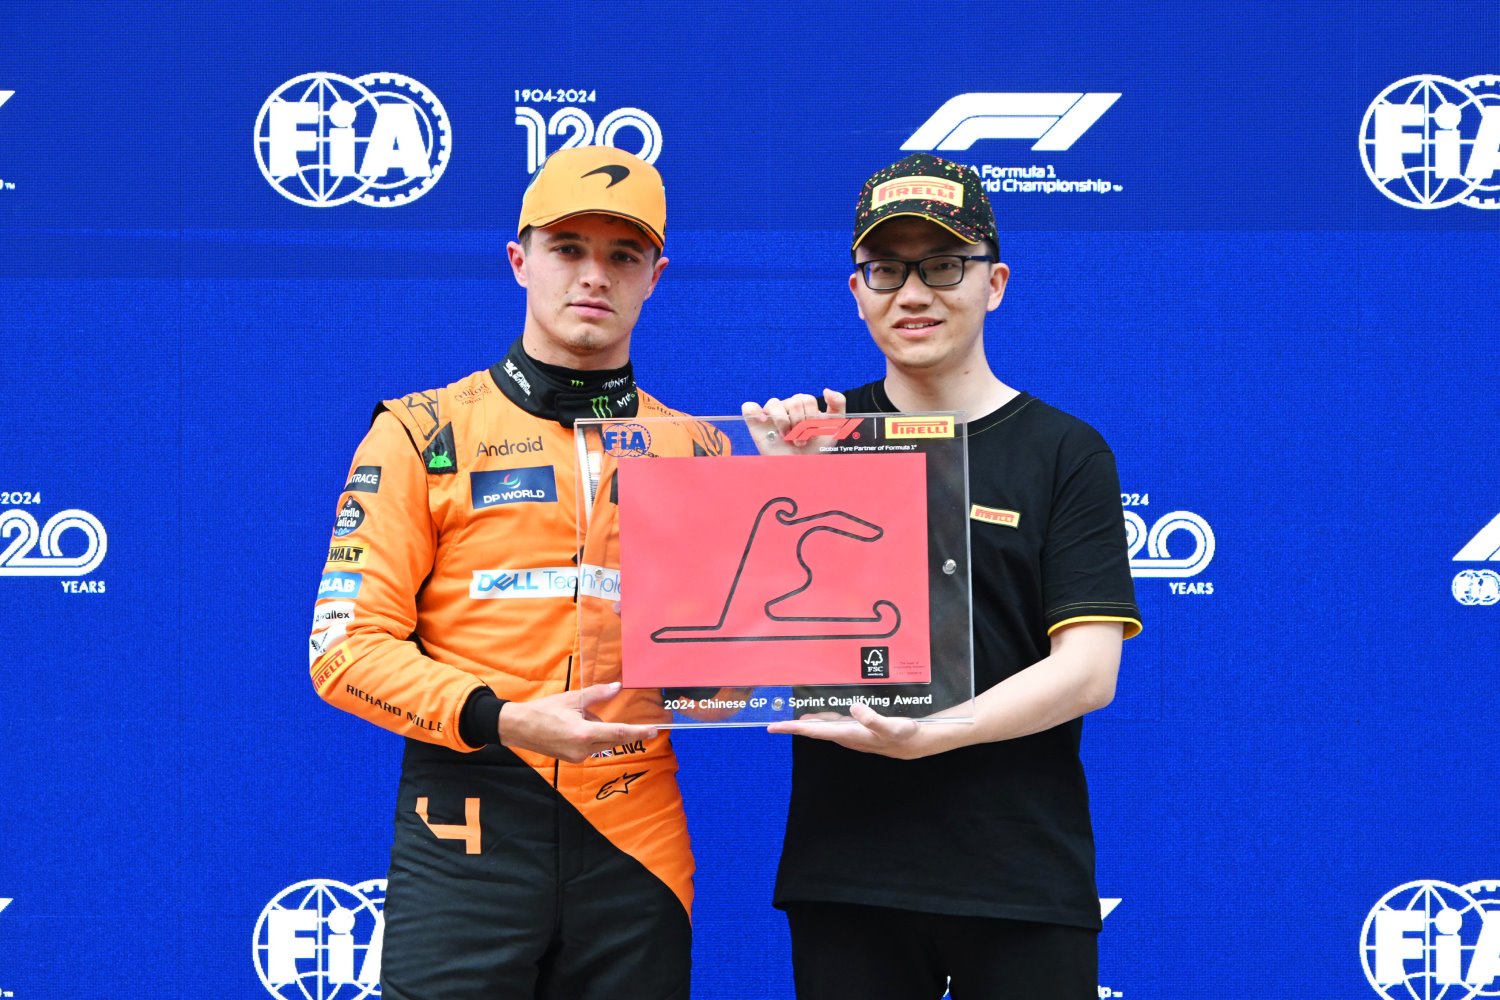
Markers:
<point>1054,121</point>
<point>4,902</point>
<point>1479,586</point>
<point>6,95</point>
<point>1430,142</point>
<point>581,127</point>
<point>322,938</point>
<point>382,140</point>
<point>1432,939</point>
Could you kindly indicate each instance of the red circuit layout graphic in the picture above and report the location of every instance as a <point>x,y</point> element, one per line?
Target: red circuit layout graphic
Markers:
<point>755,570</point>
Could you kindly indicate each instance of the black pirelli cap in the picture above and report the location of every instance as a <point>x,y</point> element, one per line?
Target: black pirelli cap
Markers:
<point>927,187</point>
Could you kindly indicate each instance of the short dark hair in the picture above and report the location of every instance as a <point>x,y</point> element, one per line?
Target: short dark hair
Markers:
<point>990,247</point>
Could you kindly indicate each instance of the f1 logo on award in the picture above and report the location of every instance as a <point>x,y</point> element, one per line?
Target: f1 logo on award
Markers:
<point>1479,586</point>
<point>1433,939</point>
<point>382,140</point>
<point>322,938</point>
<point>1430,142</point>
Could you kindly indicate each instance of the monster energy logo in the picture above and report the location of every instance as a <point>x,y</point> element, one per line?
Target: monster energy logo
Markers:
<point>600,405</point>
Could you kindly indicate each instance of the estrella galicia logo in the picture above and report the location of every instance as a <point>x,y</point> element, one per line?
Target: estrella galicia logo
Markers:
<point>322,938</point>
<point>874,662</point>
<point>626,440</point>
<point>618,786</point>
<point>351,516</point>
<point>537,484</point>
<point>381,139</point>
<point>339,585</point>
<point>366,479</point>
<point>1430,142</point>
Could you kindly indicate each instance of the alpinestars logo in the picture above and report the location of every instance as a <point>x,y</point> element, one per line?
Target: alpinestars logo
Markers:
<point>1479,586</point>
<point>1054,121</point>
<point>618,786</point>
<point>382,140</point>
<point>1415,135</point>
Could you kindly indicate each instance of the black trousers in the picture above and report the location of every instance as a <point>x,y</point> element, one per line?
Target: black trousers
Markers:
<point>847,952</point>
<point>548,910</point>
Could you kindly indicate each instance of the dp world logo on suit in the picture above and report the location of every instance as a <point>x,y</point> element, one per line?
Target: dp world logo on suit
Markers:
<point>323,140</point>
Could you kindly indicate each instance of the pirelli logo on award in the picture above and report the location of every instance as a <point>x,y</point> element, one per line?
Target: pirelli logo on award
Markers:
<point>918,188</point>
<point>918,427</point>
<point>994,515</point>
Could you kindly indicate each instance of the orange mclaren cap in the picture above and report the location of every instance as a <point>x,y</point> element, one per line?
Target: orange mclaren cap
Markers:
<point>596,179</point>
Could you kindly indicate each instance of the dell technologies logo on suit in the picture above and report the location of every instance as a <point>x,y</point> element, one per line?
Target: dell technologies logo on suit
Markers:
<point>1054,121</point>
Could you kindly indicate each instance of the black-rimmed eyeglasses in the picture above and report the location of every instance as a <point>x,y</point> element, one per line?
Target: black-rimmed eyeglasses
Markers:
<point>936,272</point>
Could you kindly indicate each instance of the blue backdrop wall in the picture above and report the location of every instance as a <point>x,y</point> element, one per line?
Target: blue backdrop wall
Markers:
<point>1266,272</point>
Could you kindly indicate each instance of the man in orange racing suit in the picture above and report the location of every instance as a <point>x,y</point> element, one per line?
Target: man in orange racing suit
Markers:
<point>540,848</point>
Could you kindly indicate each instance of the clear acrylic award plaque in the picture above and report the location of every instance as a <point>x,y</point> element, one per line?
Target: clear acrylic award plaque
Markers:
<point>733,576</point>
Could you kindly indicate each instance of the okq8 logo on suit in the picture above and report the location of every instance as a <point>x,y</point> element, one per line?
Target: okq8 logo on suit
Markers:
<point>322,938</point>
<point>1432,940</point>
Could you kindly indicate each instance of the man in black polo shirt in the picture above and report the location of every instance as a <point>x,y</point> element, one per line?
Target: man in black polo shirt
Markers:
<point>918,854</point>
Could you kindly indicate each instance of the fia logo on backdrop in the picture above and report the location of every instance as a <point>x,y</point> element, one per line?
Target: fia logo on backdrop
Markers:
<point>322,938</point>
<point>1048,123</point>
<point>556,119</point>
<point>1435,941</point>
<point>1174,545</point>
<point>381,140</point>
<point>1479,586</point>
<point>1430,142</point>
